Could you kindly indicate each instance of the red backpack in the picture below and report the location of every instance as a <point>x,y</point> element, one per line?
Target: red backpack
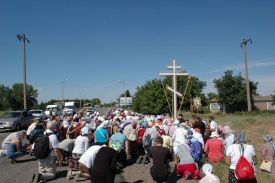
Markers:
<point>244,169</point>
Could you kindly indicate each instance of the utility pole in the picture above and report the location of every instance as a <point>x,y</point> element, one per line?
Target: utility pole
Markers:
<point>248,94</point>
<point>23,38</point>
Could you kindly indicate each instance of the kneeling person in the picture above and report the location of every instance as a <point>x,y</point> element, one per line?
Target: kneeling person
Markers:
<point>160,157</point>
<point>47,164</point>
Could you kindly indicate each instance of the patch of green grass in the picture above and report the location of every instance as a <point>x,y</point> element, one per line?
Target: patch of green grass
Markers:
<point>221,170</point>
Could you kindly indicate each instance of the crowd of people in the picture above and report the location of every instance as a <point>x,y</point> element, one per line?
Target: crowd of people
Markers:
<point>95,147</point>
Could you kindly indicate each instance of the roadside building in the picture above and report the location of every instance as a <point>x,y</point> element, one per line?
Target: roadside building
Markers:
<point>214,105</point>
<point>263,103</point>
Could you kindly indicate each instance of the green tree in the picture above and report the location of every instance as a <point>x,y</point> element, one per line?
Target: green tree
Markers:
<point>95,101</point>
<point>212,95</point>
<point>232,91</point>
<point>4,97</point>
<point>150,98</point>
<point>16,99</point>
<point>127,92</point>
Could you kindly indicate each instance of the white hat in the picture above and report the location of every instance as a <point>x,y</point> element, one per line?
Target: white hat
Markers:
<point>214,134</point>
<point>85,130</point>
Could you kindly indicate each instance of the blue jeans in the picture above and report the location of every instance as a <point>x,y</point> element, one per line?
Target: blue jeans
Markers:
<point>12,152</point>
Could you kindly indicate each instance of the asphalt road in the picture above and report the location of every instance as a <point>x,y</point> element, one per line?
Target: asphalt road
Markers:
<point>22,171</point>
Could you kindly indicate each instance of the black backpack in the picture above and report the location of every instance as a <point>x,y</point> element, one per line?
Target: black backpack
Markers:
<point>35,133</point>
<point>41,146</point>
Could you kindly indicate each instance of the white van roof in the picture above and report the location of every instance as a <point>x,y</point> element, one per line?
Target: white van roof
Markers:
<point>69,103</point>
<point>51,106</point>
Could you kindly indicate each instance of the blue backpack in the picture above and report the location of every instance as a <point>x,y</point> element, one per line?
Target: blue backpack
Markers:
<point>196,150</point>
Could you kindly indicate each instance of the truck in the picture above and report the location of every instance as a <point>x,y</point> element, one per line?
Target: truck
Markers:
<point>54,109</point>
<point>70,107</point>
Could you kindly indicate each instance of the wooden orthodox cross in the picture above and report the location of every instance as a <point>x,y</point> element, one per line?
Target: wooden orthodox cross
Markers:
<point>174,73</point>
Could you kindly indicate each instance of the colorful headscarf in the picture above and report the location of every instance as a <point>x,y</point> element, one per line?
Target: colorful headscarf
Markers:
<point>240,138</point>
<point>268,138</point>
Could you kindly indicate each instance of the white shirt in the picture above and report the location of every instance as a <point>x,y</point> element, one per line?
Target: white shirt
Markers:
<point>229,140</point>
<point>81,144</point>
<point>88,157</point>
<point>213,125</point>
<point>53,142</point>
<point>179,135</point>
<point>234,151</point>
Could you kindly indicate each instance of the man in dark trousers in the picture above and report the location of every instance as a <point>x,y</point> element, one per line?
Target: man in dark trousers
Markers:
<point>160,157</point>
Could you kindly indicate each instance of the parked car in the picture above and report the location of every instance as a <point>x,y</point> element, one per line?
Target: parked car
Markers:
<point>38,113</point>
<point>15,120</point>
<point>90,111</point>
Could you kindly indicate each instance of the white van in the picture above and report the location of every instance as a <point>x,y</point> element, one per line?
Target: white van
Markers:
<point>54,109</point>
<point>70,107</point>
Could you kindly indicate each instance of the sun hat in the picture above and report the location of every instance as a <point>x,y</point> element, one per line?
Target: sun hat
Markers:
<point>214,134</point>
<point>227,129</point>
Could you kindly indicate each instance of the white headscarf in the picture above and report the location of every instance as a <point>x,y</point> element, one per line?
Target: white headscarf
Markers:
<point>209,178</point>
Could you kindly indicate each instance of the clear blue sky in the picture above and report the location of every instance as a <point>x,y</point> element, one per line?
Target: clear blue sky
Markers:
<point>93,45</point>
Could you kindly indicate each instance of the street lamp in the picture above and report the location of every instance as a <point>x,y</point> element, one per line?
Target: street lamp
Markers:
<point>22,38</point>
<point>244,46</point>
